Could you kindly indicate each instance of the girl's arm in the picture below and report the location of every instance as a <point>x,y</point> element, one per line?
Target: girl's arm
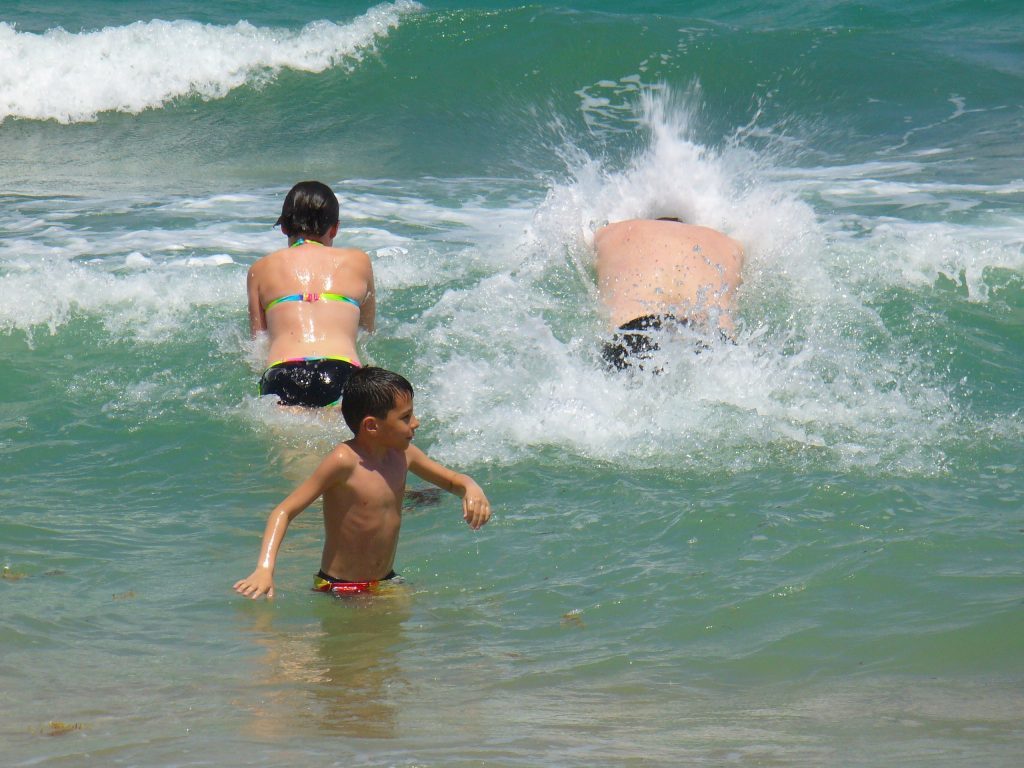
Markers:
<point>257,317</point>
<point>368,307</point>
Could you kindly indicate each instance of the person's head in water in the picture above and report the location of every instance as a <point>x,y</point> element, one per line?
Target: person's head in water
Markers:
<point>310,210</point>
<point>372,391</point>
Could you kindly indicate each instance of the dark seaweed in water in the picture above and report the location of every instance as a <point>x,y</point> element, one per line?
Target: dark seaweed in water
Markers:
<point>422,497</point>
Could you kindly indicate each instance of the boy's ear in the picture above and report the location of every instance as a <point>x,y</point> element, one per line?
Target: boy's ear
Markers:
<point>369,425</point>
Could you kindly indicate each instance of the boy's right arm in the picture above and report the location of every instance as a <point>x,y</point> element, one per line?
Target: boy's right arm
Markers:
<point>333,469</point>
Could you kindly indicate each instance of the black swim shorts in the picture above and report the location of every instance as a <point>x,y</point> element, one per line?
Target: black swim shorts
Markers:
<point>314,382</point>
<point>636,341</point>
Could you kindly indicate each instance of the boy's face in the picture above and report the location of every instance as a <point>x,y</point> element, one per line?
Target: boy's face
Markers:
<point>396,430</point>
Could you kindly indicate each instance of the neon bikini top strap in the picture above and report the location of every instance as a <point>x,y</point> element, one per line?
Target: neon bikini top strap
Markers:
<point>304,241</point>
<point>311,298</point>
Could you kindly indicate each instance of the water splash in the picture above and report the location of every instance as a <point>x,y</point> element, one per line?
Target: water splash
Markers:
<point>512,360</point>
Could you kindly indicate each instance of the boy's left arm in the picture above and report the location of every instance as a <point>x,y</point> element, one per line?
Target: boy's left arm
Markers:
<point>476,509</point>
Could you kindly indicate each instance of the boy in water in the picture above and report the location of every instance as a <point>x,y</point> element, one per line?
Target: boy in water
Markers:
<point>362,482</point>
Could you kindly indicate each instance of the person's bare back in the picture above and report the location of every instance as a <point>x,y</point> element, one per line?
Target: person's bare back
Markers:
<point>312,328</point>
<point>651,267</point>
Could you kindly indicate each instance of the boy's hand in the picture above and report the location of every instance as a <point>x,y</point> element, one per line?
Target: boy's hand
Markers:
<point>259,582</point>
<point>476,509</point>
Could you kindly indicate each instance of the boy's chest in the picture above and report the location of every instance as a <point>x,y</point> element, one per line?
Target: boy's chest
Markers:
<point>380,485</point>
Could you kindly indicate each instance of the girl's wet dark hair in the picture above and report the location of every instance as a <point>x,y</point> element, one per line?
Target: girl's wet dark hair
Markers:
<point>373,392</point>
<point>309,209</point>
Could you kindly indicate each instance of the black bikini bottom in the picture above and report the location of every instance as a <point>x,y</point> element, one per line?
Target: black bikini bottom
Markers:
<point>315,382</point>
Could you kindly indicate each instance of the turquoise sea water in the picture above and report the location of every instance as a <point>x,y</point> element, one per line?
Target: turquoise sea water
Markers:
<point>803,550</point>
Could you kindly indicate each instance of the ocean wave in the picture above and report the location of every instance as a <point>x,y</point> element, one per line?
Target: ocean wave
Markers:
<point>72,78</point>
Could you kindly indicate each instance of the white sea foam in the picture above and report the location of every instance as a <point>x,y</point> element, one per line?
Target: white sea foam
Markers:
<point>73,77</point>
<point>874,246</point>
<point>509,361</point>
<point>143,282</point>
<point>144,304</point>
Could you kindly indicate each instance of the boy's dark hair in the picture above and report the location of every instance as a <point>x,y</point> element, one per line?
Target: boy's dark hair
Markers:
<point>310,208</point>
<point>373,392</point>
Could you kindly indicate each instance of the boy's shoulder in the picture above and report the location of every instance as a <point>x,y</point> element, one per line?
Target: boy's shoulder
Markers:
<point>340,458</point>
<point>366,448</point>
<point>345,451</point>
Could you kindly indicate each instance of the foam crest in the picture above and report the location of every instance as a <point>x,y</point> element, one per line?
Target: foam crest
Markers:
<point>138,268</point>
<point>145,302</point>
<point>887,231</point>
<point>74,77</point>
<point>965,255</point>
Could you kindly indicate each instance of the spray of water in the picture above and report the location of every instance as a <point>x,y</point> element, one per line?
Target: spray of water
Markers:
<point>512,362</point>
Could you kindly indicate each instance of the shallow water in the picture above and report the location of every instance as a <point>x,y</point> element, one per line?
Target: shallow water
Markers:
<point>802,549</point>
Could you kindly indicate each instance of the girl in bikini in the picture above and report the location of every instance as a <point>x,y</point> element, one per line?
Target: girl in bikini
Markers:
<point>311,299</point>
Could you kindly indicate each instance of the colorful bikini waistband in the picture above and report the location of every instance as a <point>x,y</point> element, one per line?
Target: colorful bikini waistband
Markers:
<point>348,360</point>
